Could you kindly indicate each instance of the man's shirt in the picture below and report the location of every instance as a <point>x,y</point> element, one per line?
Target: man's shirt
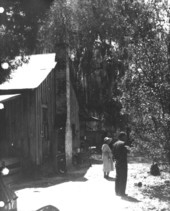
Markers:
<point>120,152</point>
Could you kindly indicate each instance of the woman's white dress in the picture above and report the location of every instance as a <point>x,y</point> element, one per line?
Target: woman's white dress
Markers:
<point>107,158</point>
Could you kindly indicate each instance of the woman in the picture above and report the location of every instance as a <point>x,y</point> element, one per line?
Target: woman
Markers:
<point>107,157</point>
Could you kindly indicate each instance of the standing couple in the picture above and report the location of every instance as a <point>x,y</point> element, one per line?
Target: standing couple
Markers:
<point>119,152</point>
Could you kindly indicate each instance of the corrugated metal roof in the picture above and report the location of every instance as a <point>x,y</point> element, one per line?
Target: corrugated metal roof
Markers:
<point>30,75</point>
<point>4,98</point>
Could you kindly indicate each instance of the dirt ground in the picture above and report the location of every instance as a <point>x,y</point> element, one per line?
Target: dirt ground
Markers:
<point>145,192</point>
<point>152,191</point>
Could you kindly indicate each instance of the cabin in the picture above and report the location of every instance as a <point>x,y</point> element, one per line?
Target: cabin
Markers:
<point>33,113</point>
<point>27,114</point>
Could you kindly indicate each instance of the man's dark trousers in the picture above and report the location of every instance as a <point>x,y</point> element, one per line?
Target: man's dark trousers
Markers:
<point>121,178</point>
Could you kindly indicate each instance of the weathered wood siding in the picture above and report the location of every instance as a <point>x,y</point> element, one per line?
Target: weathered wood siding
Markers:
<point>45,103</point>
<point>23,123</point>
<point>19,126</point>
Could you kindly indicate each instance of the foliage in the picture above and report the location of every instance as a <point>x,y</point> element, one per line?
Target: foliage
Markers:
<point>107,40</point>
<point>146,88</point>
<point>97,32</point>
<point>18,29</point>
<point>120,66</point>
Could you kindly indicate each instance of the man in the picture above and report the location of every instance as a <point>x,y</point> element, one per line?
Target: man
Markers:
<point>120,150</point>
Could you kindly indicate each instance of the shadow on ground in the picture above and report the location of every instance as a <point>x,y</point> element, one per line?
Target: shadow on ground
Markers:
<point>111,179</point>
<point>50,180</point>
<point>130,199</point>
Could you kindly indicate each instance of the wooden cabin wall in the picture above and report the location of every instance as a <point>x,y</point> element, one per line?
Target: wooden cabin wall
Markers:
<point>20,126</point>
<point>45,116</point>
<point>3,141</point>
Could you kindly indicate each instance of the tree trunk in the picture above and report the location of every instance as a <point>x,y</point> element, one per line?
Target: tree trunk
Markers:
<point>68,135</point>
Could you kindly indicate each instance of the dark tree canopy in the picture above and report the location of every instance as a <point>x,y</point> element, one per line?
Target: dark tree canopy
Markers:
<point>19,24</point>
<point>120,66</point>
<point>99,36</point>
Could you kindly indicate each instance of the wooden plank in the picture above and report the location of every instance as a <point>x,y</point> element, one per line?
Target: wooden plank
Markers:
<point>36,128</point>
<point>15,169</point>
<point>9,161</point>
<point>33,128</point>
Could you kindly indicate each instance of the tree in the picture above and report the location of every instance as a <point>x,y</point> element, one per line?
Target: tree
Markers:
<point>120,63</point>
<point>146,86</point>
<point>106,30</point>
<point>19,24</point>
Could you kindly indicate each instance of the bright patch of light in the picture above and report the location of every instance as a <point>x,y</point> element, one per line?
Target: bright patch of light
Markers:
<point>5,171</point>
<point>68,2</point>
<point>139,70</point>
<point>1,106</point>
<point>72,195</point>
<point>1,10</point>
<point>10,13</point>
<point>114,45</point>
<point>2,204</point>
<point>5,65</point>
